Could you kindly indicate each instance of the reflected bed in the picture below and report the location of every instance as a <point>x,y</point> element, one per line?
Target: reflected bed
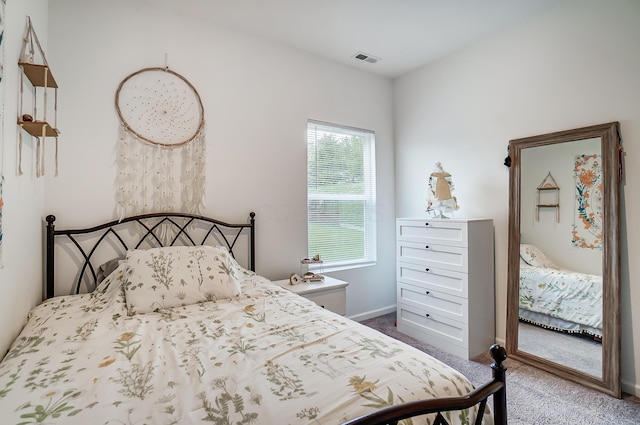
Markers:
<point>558,299</point>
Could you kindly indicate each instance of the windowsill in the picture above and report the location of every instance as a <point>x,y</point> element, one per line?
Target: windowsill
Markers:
<point>340,267</point>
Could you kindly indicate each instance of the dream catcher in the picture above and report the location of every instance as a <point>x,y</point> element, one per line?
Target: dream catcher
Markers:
<point>161,147</point>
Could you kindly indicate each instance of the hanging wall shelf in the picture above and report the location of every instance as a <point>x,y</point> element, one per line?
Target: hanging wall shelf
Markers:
<point>42,80</point>
<point>548,185</point>
<point>39,75</point>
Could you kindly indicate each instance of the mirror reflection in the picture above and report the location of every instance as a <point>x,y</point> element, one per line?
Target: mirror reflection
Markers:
<point>563,292</point>
<point>560,294</point>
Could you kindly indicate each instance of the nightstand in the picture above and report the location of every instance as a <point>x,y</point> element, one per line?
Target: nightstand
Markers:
<point>330,293</point>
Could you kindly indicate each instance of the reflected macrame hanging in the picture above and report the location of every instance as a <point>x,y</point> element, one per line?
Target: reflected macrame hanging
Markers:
<point>161,147</point>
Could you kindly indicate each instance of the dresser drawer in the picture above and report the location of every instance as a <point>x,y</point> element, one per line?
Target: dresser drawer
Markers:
<point>433,301</point>
<point>448,281</point>
<point>433,255</point>
<point>444,232</point>
<point>433,324</point>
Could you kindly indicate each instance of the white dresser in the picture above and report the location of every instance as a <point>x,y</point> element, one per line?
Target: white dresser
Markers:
<point>445,279</point>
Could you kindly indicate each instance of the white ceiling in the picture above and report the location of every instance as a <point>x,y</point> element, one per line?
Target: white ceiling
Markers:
<point>404,34</point>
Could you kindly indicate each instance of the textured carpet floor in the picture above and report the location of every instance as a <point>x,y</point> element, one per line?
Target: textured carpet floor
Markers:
<point>582,353</point>
<point>533,396</point>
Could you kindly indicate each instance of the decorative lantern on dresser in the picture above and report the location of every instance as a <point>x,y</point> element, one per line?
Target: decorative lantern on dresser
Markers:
<point>445,281</point>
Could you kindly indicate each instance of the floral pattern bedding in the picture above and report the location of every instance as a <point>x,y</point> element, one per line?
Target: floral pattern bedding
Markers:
<point>266,357</point>
<point>562,294</point>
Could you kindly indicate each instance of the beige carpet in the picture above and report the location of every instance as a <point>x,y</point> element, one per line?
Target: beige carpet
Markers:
<point>533,396</point>
<point>575,351</point>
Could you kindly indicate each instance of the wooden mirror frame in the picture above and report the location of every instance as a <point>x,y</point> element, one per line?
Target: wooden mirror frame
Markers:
<point>611,176</point>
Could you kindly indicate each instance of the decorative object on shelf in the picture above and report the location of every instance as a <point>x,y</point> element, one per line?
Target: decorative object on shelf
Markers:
<point>588,221</point>
<point>294,279</point>
<point>40,76</point>
<point>161,148</point>
<point>315,262</point>
<point>440,201</point>
<point>548,184</point>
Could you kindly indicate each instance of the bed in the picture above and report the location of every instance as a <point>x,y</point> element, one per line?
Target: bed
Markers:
<point>558,299</point>
<point>174,330</point>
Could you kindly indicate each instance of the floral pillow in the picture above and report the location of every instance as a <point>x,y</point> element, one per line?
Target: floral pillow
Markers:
<point>532,255</point>
<point>160,278</point>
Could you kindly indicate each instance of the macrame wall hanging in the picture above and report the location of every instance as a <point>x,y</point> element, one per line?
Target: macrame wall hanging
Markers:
<point>161,147</point>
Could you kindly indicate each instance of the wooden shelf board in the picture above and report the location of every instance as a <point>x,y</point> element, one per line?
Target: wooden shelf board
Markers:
<point>36,74</point>
<point>34,128</point>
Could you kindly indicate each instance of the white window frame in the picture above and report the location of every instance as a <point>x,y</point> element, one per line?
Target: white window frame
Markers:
<point>315,131</point>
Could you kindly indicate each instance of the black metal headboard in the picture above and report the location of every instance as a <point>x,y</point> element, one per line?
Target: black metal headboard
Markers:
<point>137,232</point>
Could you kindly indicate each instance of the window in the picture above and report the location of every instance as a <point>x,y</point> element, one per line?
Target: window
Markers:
<point>341,194</point>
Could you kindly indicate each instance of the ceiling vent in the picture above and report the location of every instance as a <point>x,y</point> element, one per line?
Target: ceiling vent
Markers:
<point>365,57</point>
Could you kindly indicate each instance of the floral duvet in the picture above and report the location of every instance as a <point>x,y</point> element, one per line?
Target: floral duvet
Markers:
<point>575,299</point>
<point>265,357</point>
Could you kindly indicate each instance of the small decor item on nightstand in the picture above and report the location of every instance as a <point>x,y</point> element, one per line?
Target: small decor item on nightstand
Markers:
<point>312,277</point>
<point>294,279</point>
<point>440,200</point>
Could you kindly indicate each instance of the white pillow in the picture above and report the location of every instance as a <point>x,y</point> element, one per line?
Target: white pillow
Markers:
<point>160,278</point>
<point>532,255</point>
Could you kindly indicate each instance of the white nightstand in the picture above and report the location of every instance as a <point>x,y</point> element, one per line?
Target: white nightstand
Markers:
<point>330,293</point>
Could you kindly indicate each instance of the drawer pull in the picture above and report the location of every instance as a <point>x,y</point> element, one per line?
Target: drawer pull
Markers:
<point>427,292</point>
<point>426,270</point>
<point>427,315</point>
<point>426,247</point>
<point>426,224</point>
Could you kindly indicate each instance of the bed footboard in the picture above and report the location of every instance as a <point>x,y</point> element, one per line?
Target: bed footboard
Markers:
<point>480,396</point>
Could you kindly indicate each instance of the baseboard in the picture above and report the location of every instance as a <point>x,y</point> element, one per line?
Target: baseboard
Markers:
<point>373,313</point>
<point>630,388</point>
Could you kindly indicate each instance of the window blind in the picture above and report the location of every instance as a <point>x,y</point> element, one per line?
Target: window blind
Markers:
<point>341,196</point>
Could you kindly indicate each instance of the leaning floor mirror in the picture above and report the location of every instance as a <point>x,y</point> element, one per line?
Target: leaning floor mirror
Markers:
<point>563,307</point>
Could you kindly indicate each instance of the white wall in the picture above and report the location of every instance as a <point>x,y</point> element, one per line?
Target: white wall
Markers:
<point>257,98</point>
<point>21,277</point>
<point>573,66</point>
